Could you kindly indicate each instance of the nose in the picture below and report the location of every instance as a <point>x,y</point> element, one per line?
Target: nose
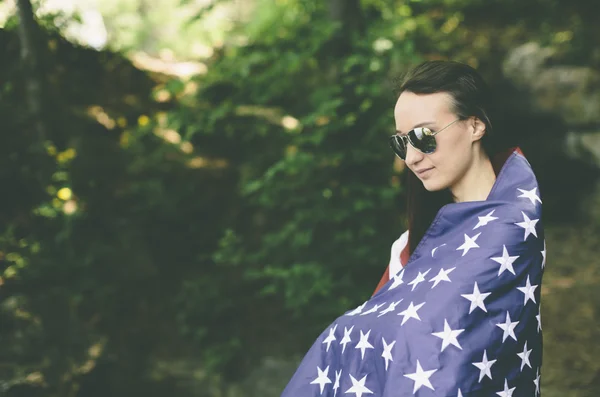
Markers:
<point>413,156</point>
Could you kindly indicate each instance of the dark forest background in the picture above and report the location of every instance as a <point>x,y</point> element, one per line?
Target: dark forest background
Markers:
<point>192,190</point>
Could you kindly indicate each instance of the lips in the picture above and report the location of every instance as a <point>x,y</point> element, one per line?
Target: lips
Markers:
<point>423,171</point>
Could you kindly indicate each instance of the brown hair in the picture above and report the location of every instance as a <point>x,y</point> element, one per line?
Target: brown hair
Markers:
<point>471,97</point>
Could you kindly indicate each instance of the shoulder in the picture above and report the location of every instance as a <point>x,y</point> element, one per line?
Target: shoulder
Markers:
<point>510,224</point>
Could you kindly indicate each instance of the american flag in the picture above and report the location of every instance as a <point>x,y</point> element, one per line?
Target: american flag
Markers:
<point>462,318</point>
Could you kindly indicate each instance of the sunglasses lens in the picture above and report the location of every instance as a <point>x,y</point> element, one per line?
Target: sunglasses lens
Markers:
<point>421,140</point>
<point>398,146</point>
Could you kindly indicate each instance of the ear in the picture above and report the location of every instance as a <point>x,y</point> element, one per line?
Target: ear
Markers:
<point>477,128</point>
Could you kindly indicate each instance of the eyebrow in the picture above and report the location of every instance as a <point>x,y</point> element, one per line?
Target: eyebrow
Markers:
<point>423,124</point>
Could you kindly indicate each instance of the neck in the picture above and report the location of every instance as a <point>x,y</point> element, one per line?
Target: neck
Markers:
<point>477,182</point>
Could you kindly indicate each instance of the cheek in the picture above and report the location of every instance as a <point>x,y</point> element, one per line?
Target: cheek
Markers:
<point>447,153</point>
<point>451,158</point>
<point>455,147</point>
<point>453,141</point>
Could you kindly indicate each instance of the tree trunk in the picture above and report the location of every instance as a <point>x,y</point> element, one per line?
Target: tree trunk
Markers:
<point>349,14</point>
<point>31,50</point>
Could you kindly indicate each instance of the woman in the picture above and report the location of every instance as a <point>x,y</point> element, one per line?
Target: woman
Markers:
<point>457,313</point>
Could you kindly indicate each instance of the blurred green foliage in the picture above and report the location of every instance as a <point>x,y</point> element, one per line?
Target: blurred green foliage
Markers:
<point>170,233</point>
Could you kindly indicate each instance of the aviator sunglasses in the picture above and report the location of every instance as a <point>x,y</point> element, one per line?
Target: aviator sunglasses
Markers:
<point>421,138</point>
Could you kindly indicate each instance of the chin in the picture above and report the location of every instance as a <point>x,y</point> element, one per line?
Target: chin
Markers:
<point>433,185</point>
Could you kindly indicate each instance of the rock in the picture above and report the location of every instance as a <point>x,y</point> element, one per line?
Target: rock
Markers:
<point>524,63</point>
<point>572,92</point>
<point>584,146</point>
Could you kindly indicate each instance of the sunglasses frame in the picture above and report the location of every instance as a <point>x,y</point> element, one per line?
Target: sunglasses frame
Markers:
<point>405,139</point>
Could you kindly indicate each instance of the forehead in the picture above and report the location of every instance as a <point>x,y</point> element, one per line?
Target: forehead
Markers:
<point>412,108</point>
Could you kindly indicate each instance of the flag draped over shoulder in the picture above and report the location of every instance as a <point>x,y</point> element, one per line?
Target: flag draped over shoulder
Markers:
<point>462,318</point>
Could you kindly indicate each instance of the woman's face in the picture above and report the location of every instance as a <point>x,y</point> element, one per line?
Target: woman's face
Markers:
<point>454,153</point>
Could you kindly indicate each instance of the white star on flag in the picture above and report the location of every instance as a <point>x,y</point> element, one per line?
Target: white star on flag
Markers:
<point>346,339</point>
<point>358,386</point>
<point>505,261</point>
<point>508,327</point>
<point>528,290</point>
<point>544,255</point>
<point>459,393</point>
<point>484,366</point>
<point>397,280</point>
<point>476,298</point>
<point>468,244</point>
<point>441,276</point>
<point>484,220</point>
<point>525,357</point>
<point>373,309</point>
<point>528,225</point>
<point>390,308</point>
<point>419,279</point>
<point>387,352</point>
<point>336,384</point>
<point>357,310</point>
<point>330,338</point>
<point>448,336</point>
<point>363,343</point>
<point>506,392</point>
<point>539,318</point>
<point>411,312</point>
<point>536,382</point>
<point>322,378</point>
<point>435,249</point>
<point>421,378</point>
<point>530,194</point>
